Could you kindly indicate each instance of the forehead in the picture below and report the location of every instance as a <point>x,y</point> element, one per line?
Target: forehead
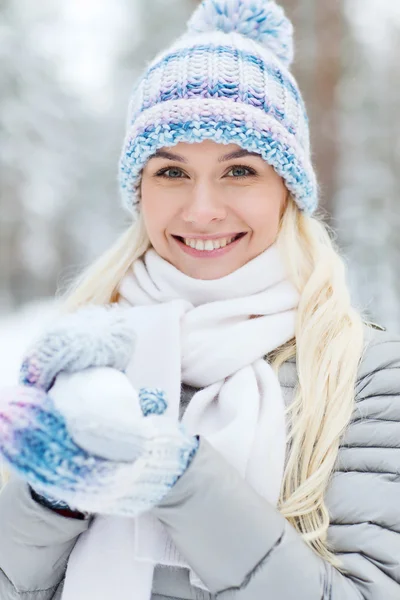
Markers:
<point>184,152</point>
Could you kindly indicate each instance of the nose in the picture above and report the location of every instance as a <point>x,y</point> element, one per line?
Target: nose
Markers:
<point>204,204</point>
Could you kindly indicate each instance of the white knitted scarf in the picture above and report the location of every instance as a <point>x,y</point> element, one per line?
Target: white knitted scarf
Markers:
<point>214,335</point>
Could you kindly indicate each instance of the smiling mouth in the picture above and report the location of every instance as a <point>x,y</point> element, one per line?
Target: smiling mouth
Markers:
<point>209,244</point>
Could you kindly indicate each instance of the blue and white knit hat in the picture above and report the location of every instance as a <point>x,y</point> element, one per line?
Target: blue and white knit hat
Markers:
<point>226,79</point>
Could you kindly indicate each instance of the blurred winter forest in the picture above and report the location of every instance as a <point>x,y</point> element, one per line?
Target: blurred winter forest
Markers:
<point>66,72</point>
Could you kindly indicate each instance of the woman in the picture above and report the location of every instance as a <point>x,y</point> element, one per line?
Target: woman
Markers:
<point>264,462</point>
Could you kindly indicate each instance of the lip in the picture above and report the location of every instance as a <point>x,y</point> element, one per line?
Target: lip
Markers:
<point>215,236</point>
<point>208,253</point>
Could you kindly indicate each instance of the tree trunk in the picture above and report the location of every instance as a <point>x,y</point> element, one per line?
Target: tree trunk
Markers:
<point>329,35</point>
<point>318,37</point>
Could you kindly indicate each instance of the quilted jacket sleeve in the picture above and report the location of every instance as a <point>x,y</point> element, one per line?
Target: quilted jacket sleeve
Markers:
<point>35,544</point>
<point>243,549</point>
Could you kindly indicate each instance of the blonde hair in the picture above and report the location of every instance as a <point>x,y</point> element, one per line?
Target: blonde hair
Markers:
<point>328,345</point>
<point>99,283</point>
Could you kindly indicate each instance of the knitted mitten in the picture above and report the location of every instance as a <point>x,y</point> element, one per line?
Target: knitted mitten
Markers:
<point>37,439</point>
<point>94,336</point>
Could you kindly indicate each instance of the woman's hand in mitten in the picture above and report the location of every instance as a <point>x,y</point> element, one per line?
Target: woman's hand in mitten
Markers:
<point>36,441</point>
<point>90,336</point>
<point>93,336</point>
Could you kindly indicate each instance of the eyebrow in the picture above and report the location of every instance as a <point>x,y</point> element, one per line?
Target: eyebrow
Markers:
<point>236,154</point>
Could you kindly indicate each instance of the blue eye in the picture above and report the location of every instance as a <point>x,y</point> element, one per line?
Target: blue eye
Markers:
<point>163,173</point>
<point>240,174</point>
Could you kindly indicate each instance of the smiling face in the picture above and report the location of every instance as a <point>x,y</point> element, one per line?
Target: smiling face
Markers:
<point>210,208</point>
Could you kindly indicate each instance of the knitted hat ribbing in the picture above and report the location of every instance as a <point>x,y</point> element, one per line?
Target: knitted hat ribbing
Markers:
<point>226,79</point>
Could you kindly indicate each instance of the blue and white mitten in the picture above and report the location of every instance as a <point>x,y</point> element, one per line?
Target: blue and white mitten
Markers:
<point>128,455</point>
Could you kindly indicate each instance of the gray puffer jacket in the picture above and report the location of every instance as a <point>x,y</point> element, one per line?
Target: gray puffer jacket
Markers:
<point>238,544</point>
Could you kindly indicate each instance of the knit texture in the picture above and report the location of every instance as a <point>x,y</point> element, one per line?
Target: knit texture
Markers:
<point>94,336</point>
<point>36,441</point>
<point>226,79</point>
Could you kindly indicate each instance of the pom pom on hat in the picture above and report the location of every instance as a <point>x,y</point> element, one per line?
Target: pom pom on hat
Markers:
<point>260,20</point>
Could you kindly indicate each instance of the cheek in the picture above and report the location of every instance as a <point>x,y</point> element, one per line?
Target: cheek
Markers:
<point>263,215</point>
<point>157,214</point>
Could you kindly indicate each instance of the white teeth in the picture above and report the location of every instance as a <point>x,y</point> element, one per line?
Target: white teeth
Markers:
<point>208,245</point>
<point>199,245</point>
